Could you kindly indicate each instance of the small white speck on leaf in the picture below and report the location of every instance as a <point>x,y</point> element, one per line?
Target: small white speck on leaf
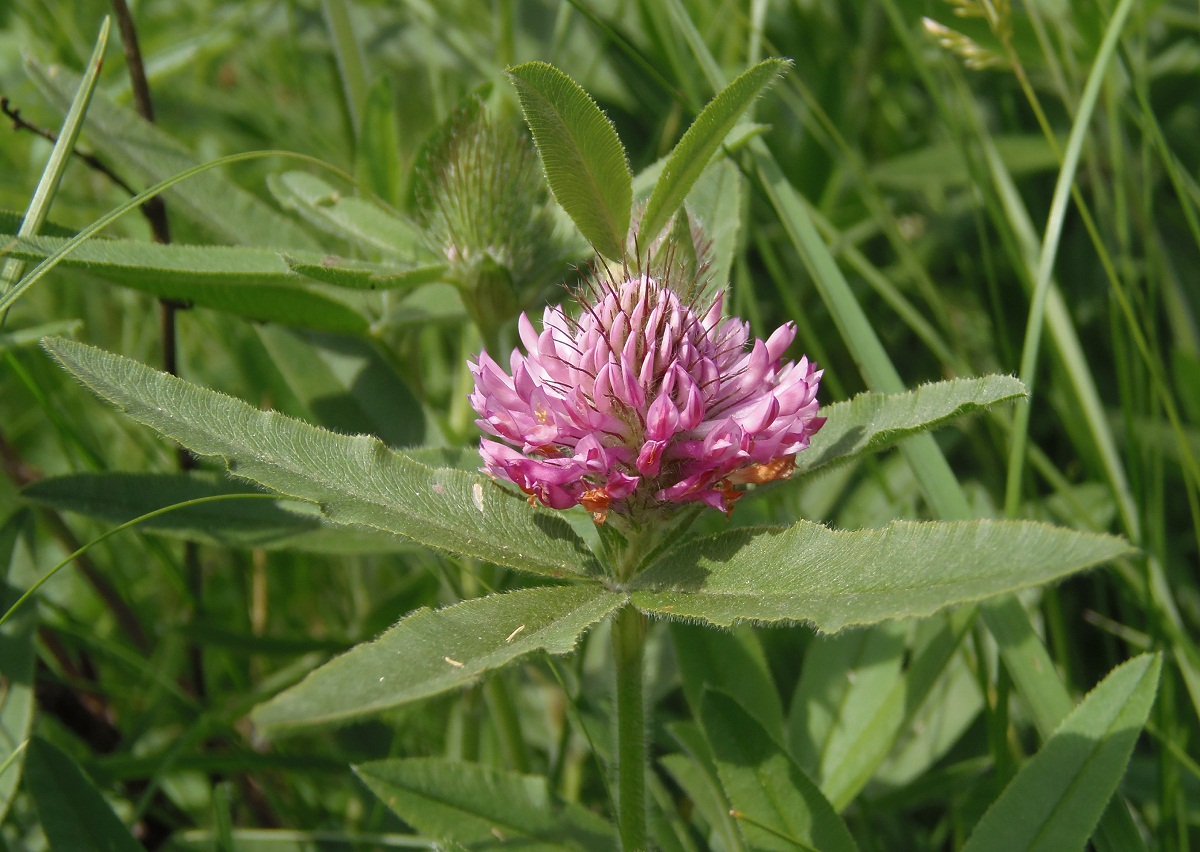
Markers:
<point>513,635</point>
<point>454,663</point>
<point>477,496</point>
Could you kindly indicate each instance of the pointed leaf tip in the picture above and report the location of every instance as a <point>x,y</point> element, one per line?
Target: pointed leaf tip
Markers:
<point>838,578</point>
<point>700,141</point>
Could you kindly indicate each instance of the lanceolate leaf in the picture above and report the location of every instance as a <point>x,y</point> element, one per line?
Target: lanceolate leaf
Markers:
<point>156,267</point>
<point>432,651</point>
<point>355,480</point>
<point>1056,800</point>
<point>715,203</point>
<point>116,498</point>
<point>700,142</point>
<point>359,275</point>
<point>873,421</point>
<point>835,579</point>
<point>358,220</point>
<point>483,807</point>
<point>347,384</point>
<point>144,154</point>
<point>378,165</point>
<point>858,759</point>
<point>583,157</point>
<point>732,663</point>
<point>73,813</point>
<point>781,808</point>
<point>844,681</point>
<point>254,283</point>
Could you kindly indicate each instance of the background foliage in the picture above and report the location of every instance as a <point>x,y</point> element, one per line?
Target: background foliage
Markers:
<point>927,159</point>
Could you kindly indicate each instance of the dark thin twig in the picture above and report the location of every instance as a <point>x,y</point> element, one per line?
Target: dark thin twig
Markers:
<point>93,162</point>
<point>21,473</point>
<point>155,210</point>
<point>156,213</point>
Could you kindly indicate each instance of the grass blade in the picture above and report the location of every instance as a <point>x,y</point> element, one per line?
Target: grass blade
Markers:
<point>43,195</point>
<point>1056,799</point>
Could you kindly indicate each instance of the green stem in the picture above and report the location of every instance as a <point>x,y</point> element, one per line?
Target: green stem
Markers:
<point>508,723</point>
<point>628,637</point>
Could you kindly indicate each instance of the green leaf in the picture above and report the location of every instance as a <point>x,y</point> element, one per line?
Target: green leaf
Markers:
<point>1056,800</point>
<point>361,275</point>
<point>731,663</point>
<point>117,498</point>
<point>74,815</point>
<point>690,156</point>
<point>482,806</point>
<point>364,223</point>
<point>143,153</point>
<point>254,283</point>
<point>835,578</point>
<point>937,641</point>
<point>843,682</point>
<point>355,480</point>
<point>16,653</point>
<point>949,709</point>
<point>715,203</point>
<point>432,651</point>
<point>31,336</point>
<point>872,421</point>
<point>347,384</point>
<point>11,220</point>
<point>379,145</point>
<point>780,808</point>
<point>696,772</point>
<point>584,160</point>
<point>431,304</point>
<point>943,164</point>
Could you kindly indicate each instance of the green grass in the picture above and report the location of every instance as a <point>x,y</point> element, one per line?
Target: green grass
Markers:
<point>904,209</point>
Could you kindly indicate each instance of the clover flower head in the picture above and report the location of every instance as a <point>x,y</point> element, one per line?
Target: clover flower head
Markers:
<point>643,402</point>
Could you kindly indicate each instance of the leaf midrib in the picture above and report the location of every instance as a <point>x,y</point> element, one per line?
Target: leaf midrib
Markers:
<point>433,520</point>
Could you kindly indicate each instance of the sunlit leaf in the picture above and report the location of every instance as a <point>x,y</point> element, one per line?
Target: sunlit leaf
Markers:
<point>584,160</point>
<point>356,480</point>
<point>778,805</point>
<point>701,140</point>
<point>361,275</point>
<point>873,421</point>
<point>358,220</point>
<point>836,578</point>
<point>1056,800</point>
<point>431,651</point>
